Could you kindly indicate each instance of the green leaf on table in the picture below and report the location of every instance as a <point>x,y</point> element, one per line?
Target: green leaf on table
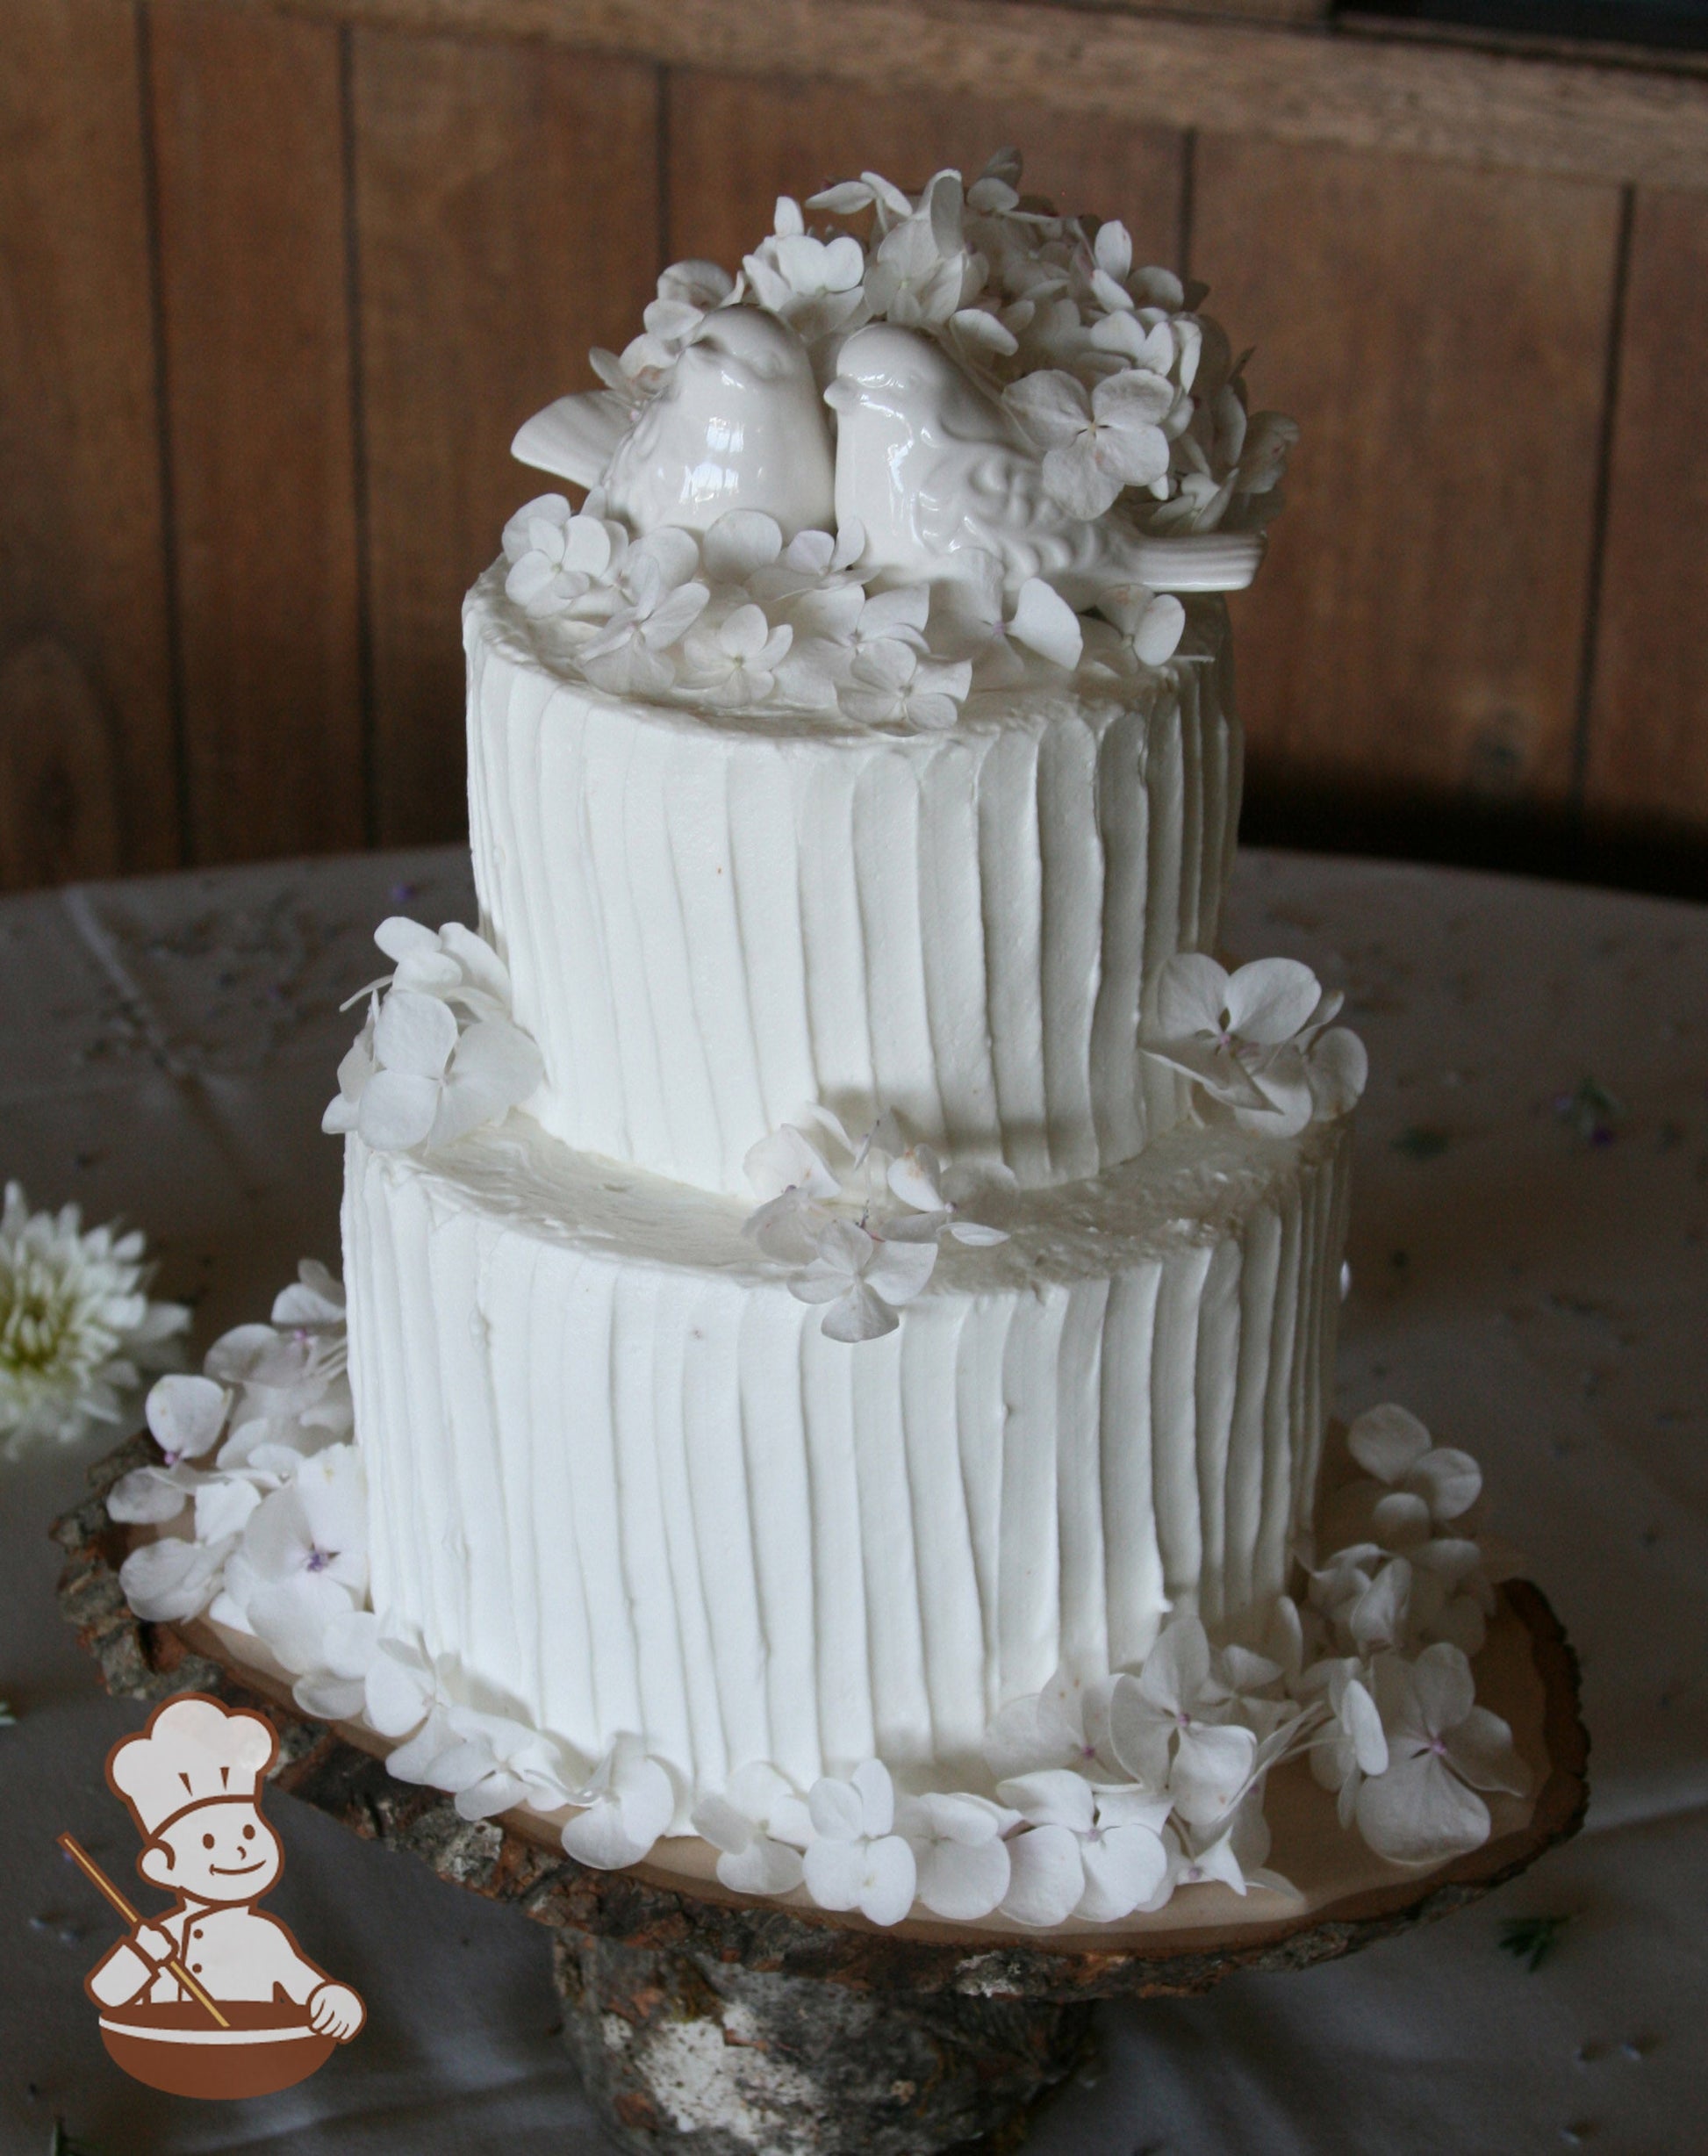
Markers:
<point>1532,1939</point>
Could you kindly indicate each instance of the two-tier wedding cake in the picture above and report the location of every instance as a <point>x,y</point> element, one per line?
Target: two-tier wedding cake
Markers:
<point>840,1280</point>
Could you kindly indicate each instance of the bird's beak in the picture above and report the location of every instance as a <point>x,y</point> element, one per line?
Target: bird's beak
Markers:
<point>842,396</point>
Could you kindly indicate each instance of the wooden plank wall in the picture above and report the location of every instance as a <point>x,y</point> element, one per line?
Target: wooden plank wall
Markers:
<point>275,290</point>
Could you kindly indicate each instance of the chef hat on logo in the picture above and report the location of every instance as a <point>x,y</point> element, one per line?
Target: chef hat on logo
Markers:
<point>192,1751</point>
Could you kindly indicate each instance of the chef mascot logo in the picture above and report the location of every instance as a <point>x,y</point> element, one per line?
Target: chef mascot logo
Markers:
<point>212,1997</point>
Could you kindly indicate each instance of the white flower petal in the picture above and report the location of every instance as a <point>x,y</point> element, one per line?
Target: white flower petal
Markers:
<point>170,1579</point>
<point>397,1111</point>
<point>764,1867</point>
<point>1270,999</point>
<point>835,1870</point>
<point>891,1879</point>
<point>837,1811</point>
<point>1450,1481</point>
<point>1055,1797</point>
<point>1046,623</point>
<point>1048,1877</point>
<point>1482,1752</point>
<point>1387,1441</point>
<point>1192,993</point>
<point>1122,1869</point>
<point>1419,1814</point>
<point>415,1033</point>
<point>186,1414</point>
<point>962,1881</point>
<point>898,1271</point>
<point>876,1791</point>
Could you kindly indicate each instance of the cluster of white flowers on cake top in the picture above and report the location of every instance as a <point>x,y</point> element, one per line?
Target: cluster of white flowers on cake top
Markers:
<point>860,1220</point>
<point>1104,363</point>
<point>439,1055</point>
<point>1104,1796</point>
<point>1259,1044</point>
<point>77,1330</point>
<point>736,619</point>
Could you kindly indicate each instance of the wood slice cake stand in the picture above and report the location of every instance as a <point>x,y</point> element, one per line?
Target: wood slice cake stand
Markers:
<point>709,2023</point>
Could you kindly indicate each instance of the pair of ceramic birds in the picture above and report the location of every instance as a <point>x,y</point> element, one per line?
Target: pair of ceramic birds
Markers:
<point>930,464</point>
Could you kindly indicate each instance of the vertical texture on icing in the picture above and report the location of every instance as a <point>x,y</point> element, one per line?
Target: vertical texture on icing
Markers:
<point>624,1491</point>
<point>710,920</point>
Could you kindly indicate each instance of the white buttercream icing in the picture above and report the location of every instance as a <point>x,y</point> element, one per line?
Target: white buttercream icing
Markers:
<point>622,1481</point>
<point>710,918</point>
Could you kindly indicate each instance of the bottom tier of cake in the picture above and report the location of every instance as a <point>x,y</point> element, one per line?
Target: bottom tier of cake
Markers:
<point>621,1483</point>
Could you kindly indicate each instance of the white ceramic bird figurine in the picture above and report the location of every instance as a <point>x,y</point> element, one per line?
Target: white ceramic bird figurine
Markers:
<point>738,425</point>
<point>933,467</point>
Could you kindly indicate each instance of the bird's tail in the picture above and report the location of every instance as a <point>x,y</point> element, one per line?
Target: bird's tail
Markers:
<point>1209,561</point>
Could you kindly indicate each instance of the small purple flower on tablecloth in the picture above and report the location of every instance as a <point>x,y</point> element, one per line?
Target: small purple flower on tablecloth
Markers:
<point>1593,1112</point>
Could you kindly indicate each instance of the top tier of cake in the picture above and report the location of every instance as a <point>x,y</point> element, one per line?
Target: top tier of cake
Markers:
<point>712,919</point>
<point>864,742</point>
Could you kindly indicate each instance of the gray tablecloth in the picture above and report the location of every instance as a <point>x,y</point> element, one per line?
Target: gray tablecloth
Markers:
<point>1535,1292</point>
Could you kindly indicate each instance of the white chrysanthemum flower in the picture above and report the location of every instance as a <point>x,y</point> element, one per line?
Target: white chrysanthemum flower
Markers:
<point>77,1330</point>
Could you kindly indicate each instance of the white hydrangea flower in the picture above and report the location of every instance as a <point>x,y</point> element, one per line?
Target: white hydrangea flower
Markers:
<point>1065,1724</point>
<point>336,1689</point>
<point>687,293</point>
<point>557,557</point>
<point>1167,1727</point>
<point>758,1825</point>
<point>77,1330</point>
<point>734,659</point>
<point>1417,1493</point>
<point>419,1074</point>
<point>1423,1808</point>
<point>923,274</point>
<point>1426,1485</point>
<point>961,1860</point>
<point>1094,1853</point>
<point>1097,441</point>
<point>1353,1744</point>
<point>864,1277</point>
<point>815,286</point>
<point>1204,1860</point>
<point>857,1860</point>
<point>167,1581</point>
<point>1153,621</point>
<point>661,598</point>
<point>1258,1041</point>
<point>936,1195</point>
<point>630,1801</point>
<point>488,1762</point>
<point>890,684</point>
<point>302,1559</point>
